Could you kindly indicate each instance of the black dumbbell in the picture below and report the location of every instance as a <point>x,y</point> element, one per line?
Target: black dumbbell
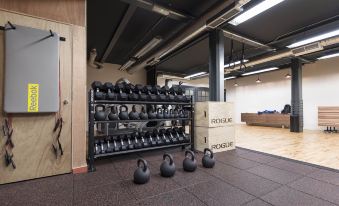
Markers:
<point>130,144</point>
<point>103,146</point>
<point>166,91</point>
<point>157,91</point>
<point>123,145</point>
<point>162,133</point>
<point>137,142</point>
<point>150,139</point>
<point>98,93</point>
<point>109,89</point>
<point>130,89</point>
<point>178,133</point>
<point>97,149</point>
<point>156,136</point>
<point>109,145</point>
<point>139,89</point>
<point>148,90</point>
<point>116,147</point>
<point>144,141</point>
<point>120,90</point>
<point>181,131</point>
<point>169,133</point>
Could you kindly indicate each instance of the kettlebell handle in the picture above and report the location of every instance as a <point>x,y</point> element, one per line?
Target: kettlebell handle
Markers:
<point>191,153</point>
<point>159,110</point>
<point>144,162</point>
<point>99,106</point>
<point>208,150</point>
<point>123,106</point>
<point>169,157</point>
<point>133,108</point>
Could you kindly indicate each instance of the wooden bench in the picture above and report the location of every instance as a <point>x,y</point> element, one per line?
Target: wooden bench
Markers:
<point>328,117</point>
<point>272,120</point>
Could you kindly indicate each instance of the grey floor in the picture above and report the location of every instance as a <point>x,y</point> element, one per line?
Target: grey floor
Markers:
<point>241,177</point>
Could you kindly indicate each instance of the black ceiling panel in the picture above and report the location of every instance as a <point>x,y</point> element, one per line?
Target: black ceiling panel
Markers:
<point>286,17</point>
<point>193,8</point>
<point>102,20</point>
<point>137,27</point>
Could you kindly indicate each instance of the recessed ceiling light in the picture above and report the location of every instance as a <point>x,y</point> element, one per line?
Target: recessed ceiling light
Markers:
<point>231,77</point>
<point>260,71</point>
<point>315,38</point>
<point>252,12</point>
<point>194,75</point>
<point>258,80</point>
<point>287,76</point>
<point>329,56</point>
<point>234,63</point>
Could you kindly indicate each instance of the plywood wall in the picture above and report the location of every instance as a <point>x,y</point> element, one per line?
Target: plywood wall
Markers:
<point>68,11</point>
<point>33,134</point>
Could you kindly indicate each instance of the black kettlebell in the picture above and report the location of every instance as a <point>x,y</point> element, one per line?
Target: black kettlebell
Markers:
<point>181,114</point>
<point>166,114</point>
<point>97,87</point>
<point>160,114</point>
<point>123,115</point>
<point>208,160</point>
<point>133,114</point>
<point>100,114</point>
<point>151,113</point>
<point>171,114</point>
<point>175,113</point>
<point>189,163</point>
<point>142,174</point>
<point>167,168</point>
<point>113,115</point>
<point>143,114</point>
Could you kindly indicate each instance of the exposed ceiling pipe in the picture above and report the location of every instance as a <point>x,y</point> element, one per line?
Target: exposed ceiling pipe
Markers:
<point>246,40</point>
<point>91,60</point>
<point>296,52</point>
<point>220,14</point>
<point>162,10</point>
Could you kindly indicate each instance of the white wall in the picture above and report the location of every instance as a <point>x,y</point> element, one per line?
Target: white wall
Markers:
<point>320,88</point>
<point>111,73</point>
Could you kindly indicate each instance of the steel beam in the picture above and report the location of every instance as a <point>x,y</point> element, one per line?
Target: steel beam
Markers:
<point>216,65</point>
<point>123,23</point>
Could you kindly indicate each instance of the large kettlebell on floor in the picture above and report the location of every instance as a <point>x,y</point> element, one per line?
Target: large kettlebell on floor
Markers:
<point>123,115</point>
<point>160,114</point>
<point>100,114</point>
<point>143,114</point>
<point>133,114</point>
<point>189,164</point>
<point>167,168</point>
<point>113,115</point>
<point>142,174</point>
<point>208,160</point>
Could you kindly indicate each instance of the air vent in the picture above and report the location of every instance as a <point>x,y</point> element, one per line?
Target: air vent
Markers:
<point>224,16</point>
<point>307,49</point>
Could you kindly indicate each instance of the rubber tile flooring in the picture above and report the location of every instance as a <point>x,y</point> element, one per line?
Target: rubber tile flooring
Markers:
<point>240,177</point>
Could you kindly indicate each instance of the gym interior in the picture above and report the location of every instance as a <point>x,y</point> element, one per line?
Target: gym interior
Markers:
<point>169,102</point>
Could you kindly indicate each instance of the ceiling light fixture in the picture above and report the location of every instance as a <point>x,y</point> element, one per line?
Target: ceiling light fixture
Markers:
<point>235,83</point>
<point>288,76</point>
<point>231,77</point>
<point>195,75</point>
<point>148,47</point>
<point>315,38</point>
<point>127,64</point>
<point>258,80</point>
<point>234,63</point>
<point>329,56</point>
<point>260,71</point>
<point>252,12</point>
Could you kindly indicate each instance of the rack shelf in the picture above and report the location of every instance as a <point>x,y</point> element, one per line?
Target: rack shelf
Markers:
<point>141,150</point>
<point>92,122</point>
<point>138,102</point>
<point>141,120</point>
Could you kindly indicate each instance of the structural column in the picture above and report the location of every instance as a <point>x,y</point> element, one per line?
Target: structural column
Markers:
<point>216,65</point>
<point>296,119</point>
<point>151,75</point>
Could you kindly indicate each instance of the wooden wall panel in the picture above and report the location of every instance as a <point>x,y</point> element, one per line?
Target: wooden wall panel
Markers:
<point>33,135</point>
<point>68,11</point>
<point>79,107</point>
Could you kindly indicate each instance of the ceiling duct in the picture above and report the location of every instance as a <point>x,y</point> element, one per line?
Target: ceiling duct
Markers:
<point>300,51</point>
<point>221,11</point>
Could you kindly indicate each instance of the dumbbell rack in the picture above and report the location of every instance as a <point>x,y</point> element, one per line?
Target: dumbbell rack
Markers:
<point>92,122</point>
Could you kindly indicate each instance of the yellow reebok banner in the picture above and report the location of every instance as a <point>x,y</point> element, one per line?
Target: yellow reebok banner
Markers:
<point>33,98</point>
